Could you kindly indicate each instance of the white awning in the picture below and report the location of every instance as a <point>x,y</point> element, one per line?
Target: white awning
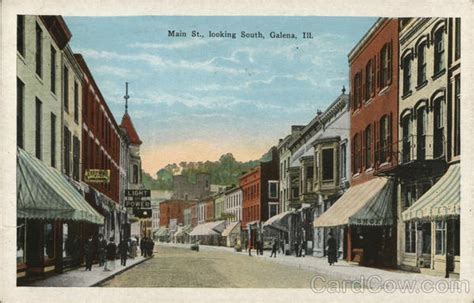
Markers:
<point>369,203</point>
<point>208,229</point>
<point>232,226</point>
<point>442,200</point>
<point>277,221</point>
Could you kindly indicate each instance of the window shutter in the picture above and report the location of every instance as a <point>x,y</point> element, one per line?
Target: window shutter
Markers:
<point>389,137</point>
<point>389,63</point>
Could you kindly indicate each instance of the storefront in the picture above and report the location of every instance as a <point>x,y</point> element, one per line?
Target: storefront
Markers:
<point>51,217</point>
<point>433,225</point>
<point>281,224</point>
<point>231,235</point>
<point>208,233</point>
<point>365,212</point>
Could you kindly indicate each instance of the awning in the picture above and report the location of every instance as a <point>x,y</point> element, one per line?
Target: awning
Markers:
<point>277,221</point>
<point>442,200</point>
<point>44,193</point>
<point>208,229</point>
<point>161,232</point>
<point>369,203</point>
<point>183,230</point>
<point>232,226</point>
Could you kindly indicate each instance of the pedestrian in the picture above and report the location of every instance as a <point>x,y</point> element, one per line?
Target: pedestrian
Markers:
<point>142,246</point>
<point>123,251</point>
<point>249,247</point>
<point>111,252</point>
<point>274,248</point>
<point>89,253</point>
<point>332,250</point>
<point>152,247</point>
<point>133,248</point>
<point>101,250</point>
<point>282,243</point>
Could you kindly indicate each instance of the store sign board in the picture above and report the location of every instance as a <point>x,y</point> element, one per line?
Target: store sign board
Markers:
<point>138,204</point>
<point>97,176</point>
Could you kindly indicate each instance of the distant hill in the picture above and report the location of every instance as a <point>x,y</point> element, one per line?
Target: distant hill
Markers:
<point>225,171</point>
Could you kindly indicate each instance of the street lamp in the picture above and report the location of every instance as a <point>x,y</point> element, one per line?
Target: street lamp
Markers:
<point>145,213</point>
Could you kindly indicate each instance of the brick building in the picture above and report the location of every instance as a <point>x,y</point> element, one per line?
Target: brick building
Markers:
<point>173,209</point>
<point>101,150</point>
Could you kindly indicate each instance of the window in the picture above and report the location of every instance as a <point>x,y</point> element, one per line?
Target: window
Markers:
<point>53,140</point>
<point>328,164</point>
<point>357,90</point>
<point>406,74</point>
<point>457,39</point>
<point>406,131</point>
<point>67,151</point>
<point>20,104</point>
<point>355,155</point>
<point>53,70</point>
<point>272,189</point>
<point>20,34</point>
<point>76,102</point>
<point>440,237</point>
<point>368,147</point>
<point>426,238</point>
<point>39,50</point>
<point>135,174</point>
<point>383,139</point>
<point>272,210</point>
<point>438,136</point>
<point>439,51</point>
<point>409,194</point>
<point>421,64</point>
<point>421,125</point>
<point>410,237</point>
<point>343,160</point>
<point>66,89</point>
<point>76,147</point>
<point>38,131</point>
<point>457,115</point>
<point>385,65</point>
<point>48,244</point>
<point>369,80</point>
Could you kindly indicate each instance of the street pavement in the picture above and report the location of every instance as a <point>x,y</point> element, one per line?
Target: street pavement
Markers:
<point>81,278</point>
<point>210,268</point>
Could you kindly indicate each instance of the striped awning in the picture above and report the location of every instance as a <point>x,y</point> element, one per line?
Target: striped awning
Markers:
<point>231,227</point>
<point>440,201</point>
<point>44,193</point>
<point>369,203</point>
<point>278,221</point>
<point>162,232</point>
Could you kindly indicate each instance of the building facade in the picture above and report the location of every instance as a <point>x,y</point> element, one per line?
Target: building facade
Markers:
<point>233,204</point>
<point>186,190</point>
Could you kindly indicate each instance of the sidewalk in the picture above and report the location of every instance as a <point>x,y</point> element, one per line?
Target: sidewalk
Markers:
<point>81,278</point>
<point>342,270</point>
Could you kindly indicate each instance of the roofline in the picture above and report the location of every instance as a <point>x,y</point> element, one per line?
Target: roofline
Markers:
<point>355,50</point>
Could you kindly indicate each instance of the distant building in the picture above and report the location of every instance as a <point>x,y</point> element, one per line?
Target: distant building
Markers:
<point>173,210</point>
<point>233,204</point>
<point>185,190</point>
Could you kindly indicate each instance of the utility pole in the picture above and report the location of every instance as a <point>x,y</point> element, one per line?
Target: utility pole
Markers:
<point>126,97</point>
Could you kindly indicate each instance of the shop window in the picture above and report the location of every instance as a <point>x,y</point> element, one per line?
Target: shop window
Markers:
<point>426,232</point>
<point>48,244</point>
<point>410,237</point>
<point>439,59</point>
<point>421,77</point>
<point>328,164</point>
<point>440,237</point>
<point>20,241</point>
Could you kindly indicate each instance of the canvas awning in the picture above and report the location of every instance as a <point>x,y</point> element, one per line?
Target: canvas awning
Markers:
<point>44,193</point>
<point>161,232</point>
<point>232,226</point>
<point>369,203</point>
<point>442,200</point>
<point>208,229</point>
<point>277,221</point>
<point>183,230</point>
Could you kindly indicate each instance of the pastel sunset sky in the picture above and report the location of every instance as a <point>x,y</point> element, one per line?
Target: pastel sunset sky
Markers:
<point>194,99</point>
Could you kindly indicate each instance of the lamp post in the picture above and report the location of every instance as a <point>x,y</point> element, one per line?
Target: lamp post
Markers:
<point>145,213</point>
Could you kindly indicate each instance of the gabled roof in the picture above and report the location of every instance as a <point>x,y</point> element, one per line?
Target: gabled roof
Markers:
<point>127,125</point>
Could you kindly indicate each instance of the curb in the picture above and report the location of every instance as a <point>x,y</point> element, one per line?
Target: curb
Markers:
<point>97,284</point>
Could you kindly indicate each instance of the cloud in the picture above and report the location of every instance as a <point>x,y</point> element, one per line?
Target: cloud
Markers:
<point>116,71</point>
<point>169,46</point>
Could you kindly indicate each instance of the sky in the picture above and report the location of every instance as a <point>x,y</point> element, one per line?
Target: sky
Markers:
<point>196,98</point>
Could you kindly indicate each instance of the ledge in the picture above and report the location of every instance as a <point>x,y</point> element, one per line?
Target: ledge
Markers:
<point>407,94</point>
<point>421,85</point>
<point>439,74</point>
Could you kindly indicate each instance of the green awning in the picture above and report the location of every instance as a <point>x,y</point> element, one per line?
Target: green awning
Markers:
<point>44,193</point>
<point>442,200</point>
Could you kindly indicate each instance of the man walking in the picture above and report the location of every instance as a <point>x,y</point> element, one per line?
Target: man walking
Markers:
<point>101,245</point>
<point>123,250</point>
<point>111,252</point>
<point>274,248</point>
<point>89,253</point>
<point>332,250</point>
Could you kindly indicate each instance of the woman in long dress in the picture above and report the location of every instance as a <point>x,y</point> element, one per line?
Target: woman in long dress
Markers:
<point>332,250</point>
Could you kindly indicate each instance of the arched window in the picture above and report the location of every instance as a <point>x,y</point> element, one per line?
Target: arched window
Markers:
<point>368,147</point>
<point>406,66</point>
<point>421,125</point>
<point>383,137</point>
<point>421,79</point>
<point>438,133</point>
<point>439,60</point>
<point>407,138</point>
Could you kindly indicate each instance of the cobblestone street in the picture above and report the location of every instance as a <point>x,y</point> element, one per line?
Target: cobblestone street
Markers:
<point>179,267</point>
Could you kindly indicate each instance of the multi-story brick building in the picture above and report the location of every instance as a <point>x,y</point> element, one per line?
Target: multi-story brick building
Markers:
<point>173,210</point>
<point>101,144</point>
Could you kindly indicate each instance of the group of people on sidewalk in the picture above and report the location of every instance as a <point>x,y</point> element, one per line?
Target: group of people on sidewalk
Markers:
<point>106,253</point>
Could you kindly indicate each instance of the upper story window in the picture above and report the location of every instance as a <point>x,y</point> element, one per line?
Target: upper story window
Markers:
<point>53,70</point>
<point>39,51</point>
<point>439,59</point>
<point>135,174</point>
<point>356,154</point>
<point>383,137</point>
<point>457,116</point>
<point>370,79</point>
<point>20,34</point>
<point>20,108</point>
<point>368,147</point>
<point>66,89</point>
<point>76,102</point>
<point>438,134</point>
<point>328,164</point>
<point>457,39</point>
<point>385,65</point>
<point>421,125</point>
<point>406,133</point>
<point>38,128</point>
<point>406,65</point>
<point>343,160</point>
<point>357,102</point>
<point>421,63</point>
